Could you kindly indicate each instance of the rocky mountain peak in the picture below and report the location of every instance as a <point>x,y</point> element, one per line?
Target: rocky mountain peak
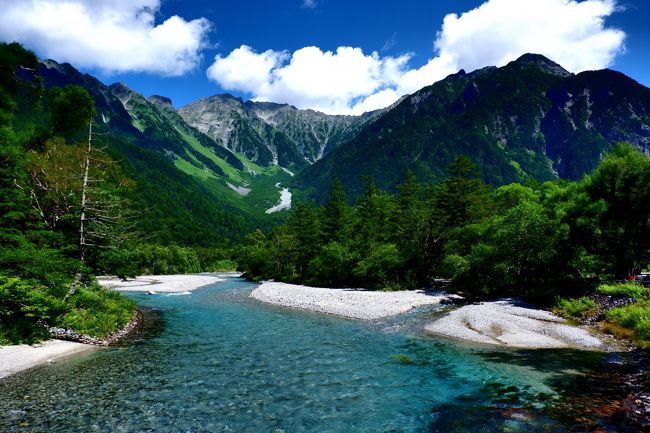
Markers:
<point>121,91</point>
<point>160,100</point>
<point>543,63</point>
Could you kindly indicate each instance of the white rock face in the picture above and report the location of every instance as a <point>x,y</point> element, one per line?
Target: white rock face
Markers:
<point>507,323</point>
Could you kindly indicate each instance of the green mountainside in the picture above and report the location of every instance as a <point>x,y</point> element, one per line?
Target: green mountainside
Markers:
<point>530,119</point>
<point>163,156</point>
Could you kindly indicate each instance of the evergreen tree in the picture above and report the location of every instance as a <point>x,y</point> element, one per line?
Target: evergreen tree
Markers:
<point>611,220</point>
<point>335,215</point>
<point>306,230</point>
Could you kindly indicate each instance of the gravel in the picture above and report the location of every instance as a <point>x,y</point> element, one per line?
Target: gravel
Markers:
<point>22,357</point>
<point>161,283</point>
<point>351,303</point>
<point>509,323</point>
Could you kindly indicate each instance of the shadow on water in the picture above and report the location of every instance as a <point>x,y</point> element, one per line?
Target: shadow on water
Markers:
<point>586,392</point>
<point>152,326</point>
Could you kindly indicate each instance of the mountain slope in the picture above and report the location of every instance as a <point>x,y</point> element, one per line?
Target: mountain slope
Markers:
<point>270,133</point>
<point>150,142</point>
<point>528,119</point>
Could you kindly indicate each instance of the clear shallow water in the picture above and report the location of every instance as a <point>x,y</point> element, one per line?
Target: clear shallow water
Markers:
<point>215,361</point>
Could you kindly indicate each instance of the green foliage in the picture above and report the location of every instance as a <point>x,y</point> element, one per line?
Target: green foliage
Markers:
<point>383,242</point>
<point>331,266</point>
<point>635,317</point>
<point>254,257</point>
<point>24,308</point>
<point>519,253</point>
<point>71,108</point>
<point>630,289</point>
<point>536,241</point>
<point>28,308</point>
<point>150,259</point>
<point>96,311</point>
<point>575,309</point>
<point>615,223</point>
<point>39,208</point>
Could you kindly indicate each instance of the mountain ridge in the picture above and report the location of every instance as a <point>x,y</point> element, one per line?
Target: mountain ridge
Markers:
<point>272,128</point>
<point>529,119</point>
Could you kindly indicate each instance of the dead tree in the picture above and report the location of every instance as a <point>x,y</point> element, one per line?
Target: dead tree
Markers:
<point>82,215</point>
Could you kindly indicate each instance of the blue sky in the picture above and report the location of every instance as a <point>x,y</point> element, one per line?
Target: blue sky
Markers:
<point>337,56</point>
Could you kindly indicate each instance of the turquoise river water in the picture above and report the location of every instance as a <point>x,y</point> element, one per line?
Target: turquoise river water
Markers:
<point>217,361</point>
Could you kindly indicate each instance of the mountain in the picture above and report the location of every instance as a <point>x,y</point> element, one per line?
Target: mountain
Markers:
<point>270,133</point>
<point>181,175</point>
<point>530,119</point>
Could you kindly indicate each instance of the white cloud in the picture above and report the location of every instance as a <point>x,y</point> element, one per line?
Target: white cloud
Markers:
<point>309,78</point>
<point>571,33</point>
<point>112,35</point>
<point>347,81</point>
<point>309,4</point>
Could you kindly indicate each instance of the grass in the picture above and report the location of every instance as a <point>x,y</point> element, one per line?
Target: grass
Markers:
<point>631,290</point>
<point>231,172</point>
<point>575,309</point>
<point>634,317</point>
<point>187,168</point>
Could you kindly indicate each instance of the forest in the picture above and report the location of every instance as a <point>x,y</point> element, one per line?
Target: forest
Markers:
<point>550,243</point>
<point>69,211</point>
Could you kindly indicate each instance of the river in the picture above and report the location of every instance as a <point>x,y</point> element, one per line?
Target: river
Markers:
<point>217,361</point>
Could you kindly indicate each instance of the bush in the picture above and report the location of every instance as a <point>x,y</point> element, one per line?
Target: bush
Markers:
<point>631,289</point>
<point>28,308</point>
<point>96,311</point>
<point>575,309</point>
<point>25,307</point>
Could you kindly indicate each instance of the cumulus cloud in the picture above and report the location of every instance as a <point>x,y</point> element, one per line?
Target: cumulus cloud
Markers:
<point>571,33</point>
<point>309,77</point>
<point>348,81</point>
<point>112,35</point>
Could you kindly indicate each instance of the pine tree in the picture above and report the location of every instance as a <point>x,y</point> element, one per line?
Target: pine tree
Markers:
<point>335,215</point>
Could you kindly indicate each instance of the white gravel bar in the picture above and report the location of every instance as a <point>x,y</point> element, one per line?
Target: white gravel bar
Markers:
<point>161,283</point>
<point>508,323</point>
<point>351,303</point>
<point>22,357</point>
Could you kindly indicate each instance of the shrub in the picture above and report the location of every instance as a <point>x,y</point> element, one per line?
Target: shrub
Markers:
<point>96,311</point>
<point>24,307</point>
<point>27,308</point>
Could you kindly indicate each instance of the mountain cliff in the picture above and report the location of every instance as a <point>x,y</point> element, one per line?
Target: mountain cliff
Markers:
<point>530,119</point>
<point>270,133</point>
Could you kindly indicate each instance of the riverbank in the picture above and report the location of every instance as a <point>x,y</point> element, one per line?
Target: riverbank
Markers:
<point>502,323</point>
<point>161,283</point>
<point>63,343</point>
<point>14,359</point>
<point>350,303</point>
<point>514,324</point>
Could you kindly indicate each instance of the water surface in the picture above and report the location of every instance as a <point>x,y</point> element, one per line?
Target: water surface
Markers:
<point>216,361</point>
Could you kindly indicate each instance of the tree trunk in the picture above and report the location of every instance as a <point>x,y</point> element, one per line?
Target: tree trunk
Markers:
<point>82,215</point>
